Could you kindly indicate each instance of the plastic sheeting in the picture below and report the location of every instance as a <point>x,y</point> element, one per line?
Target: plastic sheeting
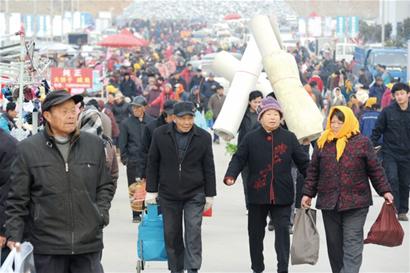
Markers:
<point>300,112</point>
<point>246,76</point>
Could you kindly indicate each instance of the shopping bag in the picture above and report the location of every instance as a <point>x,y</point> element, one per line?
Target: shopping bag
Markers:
<point>200,121</point>
<point>151,244</point>
<point>136,193</point>
<point>23,260</point>
<point>386,231</point>
<point>305,242</point>
<point>207,213</point>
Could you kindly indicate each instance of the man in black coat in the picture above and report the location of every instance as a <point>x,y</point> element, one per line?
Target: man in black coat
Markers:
<point>208,89</point>
<point>181,172</point>
<point>167,116</point>
<point>8,146</point>
<point>130,140</point>
<point>60,192</point>
<point>268,152</point>
<point>197,80</point>
<point>393,124</point>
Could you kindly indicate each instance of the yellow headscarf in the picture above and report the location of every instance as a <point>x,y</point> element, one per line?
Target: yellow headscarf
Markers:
<point>349,129</point>
<point>370,102</point>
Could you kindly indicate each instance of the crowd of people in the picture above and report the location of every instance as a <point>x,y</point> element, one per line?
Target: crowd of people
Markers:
<point>57,185</point>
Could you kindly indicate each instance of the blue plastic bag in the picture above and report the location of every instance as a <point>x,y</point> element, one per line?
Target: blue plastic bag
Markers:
<point>200,121</point>
<point>151,244</point>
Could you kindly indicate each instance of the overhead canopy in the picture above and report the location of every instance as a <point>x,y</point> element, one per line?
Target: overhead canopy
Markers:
<point>232,16</point>
<point>55,48</point>
<point>124,39</point>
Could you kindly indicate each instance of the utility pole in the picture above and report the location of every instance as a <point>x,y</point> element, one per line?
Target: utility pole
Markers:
<point>52,20</point>
<point>408,60</point>
<point>382,20</point>
<point>35,20</point>
<point>72,15</point>
<point>21,74</point>
<point>62,20</point>
<point>6,17</point>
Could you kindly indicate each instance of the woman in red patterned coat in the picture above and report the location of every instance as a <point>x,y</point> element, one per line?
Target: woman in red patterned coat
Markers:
<point>338,174</point>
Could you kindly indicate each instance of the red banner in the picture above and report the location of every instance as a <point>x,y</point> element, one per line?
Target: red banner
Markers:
<point>64,78</point>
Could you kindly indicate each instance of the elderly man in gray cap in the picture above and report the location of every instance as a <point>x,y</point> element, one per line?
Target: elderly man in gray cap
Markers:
<point>130,140</point>
<point>60,192</point>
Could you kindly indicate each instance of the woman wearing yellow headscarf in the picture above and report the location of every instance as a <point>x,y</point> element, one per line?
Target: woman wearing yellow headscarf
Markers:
<point>339,173</point>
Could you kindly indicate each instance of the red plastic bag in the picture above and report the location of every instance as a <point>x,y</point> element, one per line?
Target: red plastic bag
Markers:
<point>207,213</point>
<point>386,231</point>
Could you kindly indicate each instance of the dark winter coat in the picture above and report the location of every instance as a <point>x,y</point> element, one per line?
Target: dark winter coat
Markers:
<point>121,112</point>
<point>249,123</point>
<point>269,159</point>
<point>196,81</point>
<point>198,101</point>
<point>60,206</point>
<point>128,88</point>
<point>181,180</point>
<point>377,91</point>
<point>130,139</point>
<point>208,88</point>
<point>394,125</point>
<point>146,143</point>
<point>8,146</point>
<point>344,185</point>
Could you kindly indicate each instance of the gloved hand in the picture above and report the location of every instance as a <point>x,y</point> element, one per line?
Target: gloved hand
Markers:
<point>208,203</point>
<point>151,198</point>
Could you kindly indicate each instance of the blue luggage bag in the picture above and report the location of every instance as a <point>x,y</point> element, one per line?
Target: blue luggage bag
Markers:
<point>151,244</point>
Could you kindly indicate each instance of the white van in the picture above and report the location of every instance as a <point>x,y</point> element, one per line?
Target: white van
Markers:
<point>344,51</point>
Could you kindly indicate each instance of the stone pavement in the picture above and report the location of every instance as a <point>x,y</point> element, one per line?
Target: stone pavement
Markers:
<point>225,240</point>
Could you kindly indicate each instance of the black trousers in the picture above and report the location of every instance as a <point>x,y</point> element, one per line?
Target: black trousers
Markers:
<point>4,253</point>
<point>184,250</point>
<point>245,179</point>
<point>131,176</point>
<point>398,175</point>
<point>256,230</point>
<point>82,263</point>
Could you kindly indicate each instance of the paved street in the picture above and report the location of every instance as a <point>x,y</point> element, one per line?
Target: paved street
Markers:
<point>225,240</point>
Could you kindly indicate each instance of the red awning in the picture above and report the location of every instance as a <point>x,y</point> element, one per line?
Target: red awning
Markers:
<point>123,39</point>
<point>232,16</point>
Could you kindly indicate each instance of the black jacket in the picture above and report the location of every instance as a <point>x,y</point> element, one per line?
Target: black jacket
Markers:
<point>128,88</point>
<point>180,180</point>
<point>196,80</point>
<point>60,207</point>
<point>198,101</point>
<point>8,146</point>
<point>146,143</point>
<point>249,123</point>
<point>207,89</point>
<point>121,112</point>
<point>394,125</point>
<point>130,139</point>
<point>269,158</point>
